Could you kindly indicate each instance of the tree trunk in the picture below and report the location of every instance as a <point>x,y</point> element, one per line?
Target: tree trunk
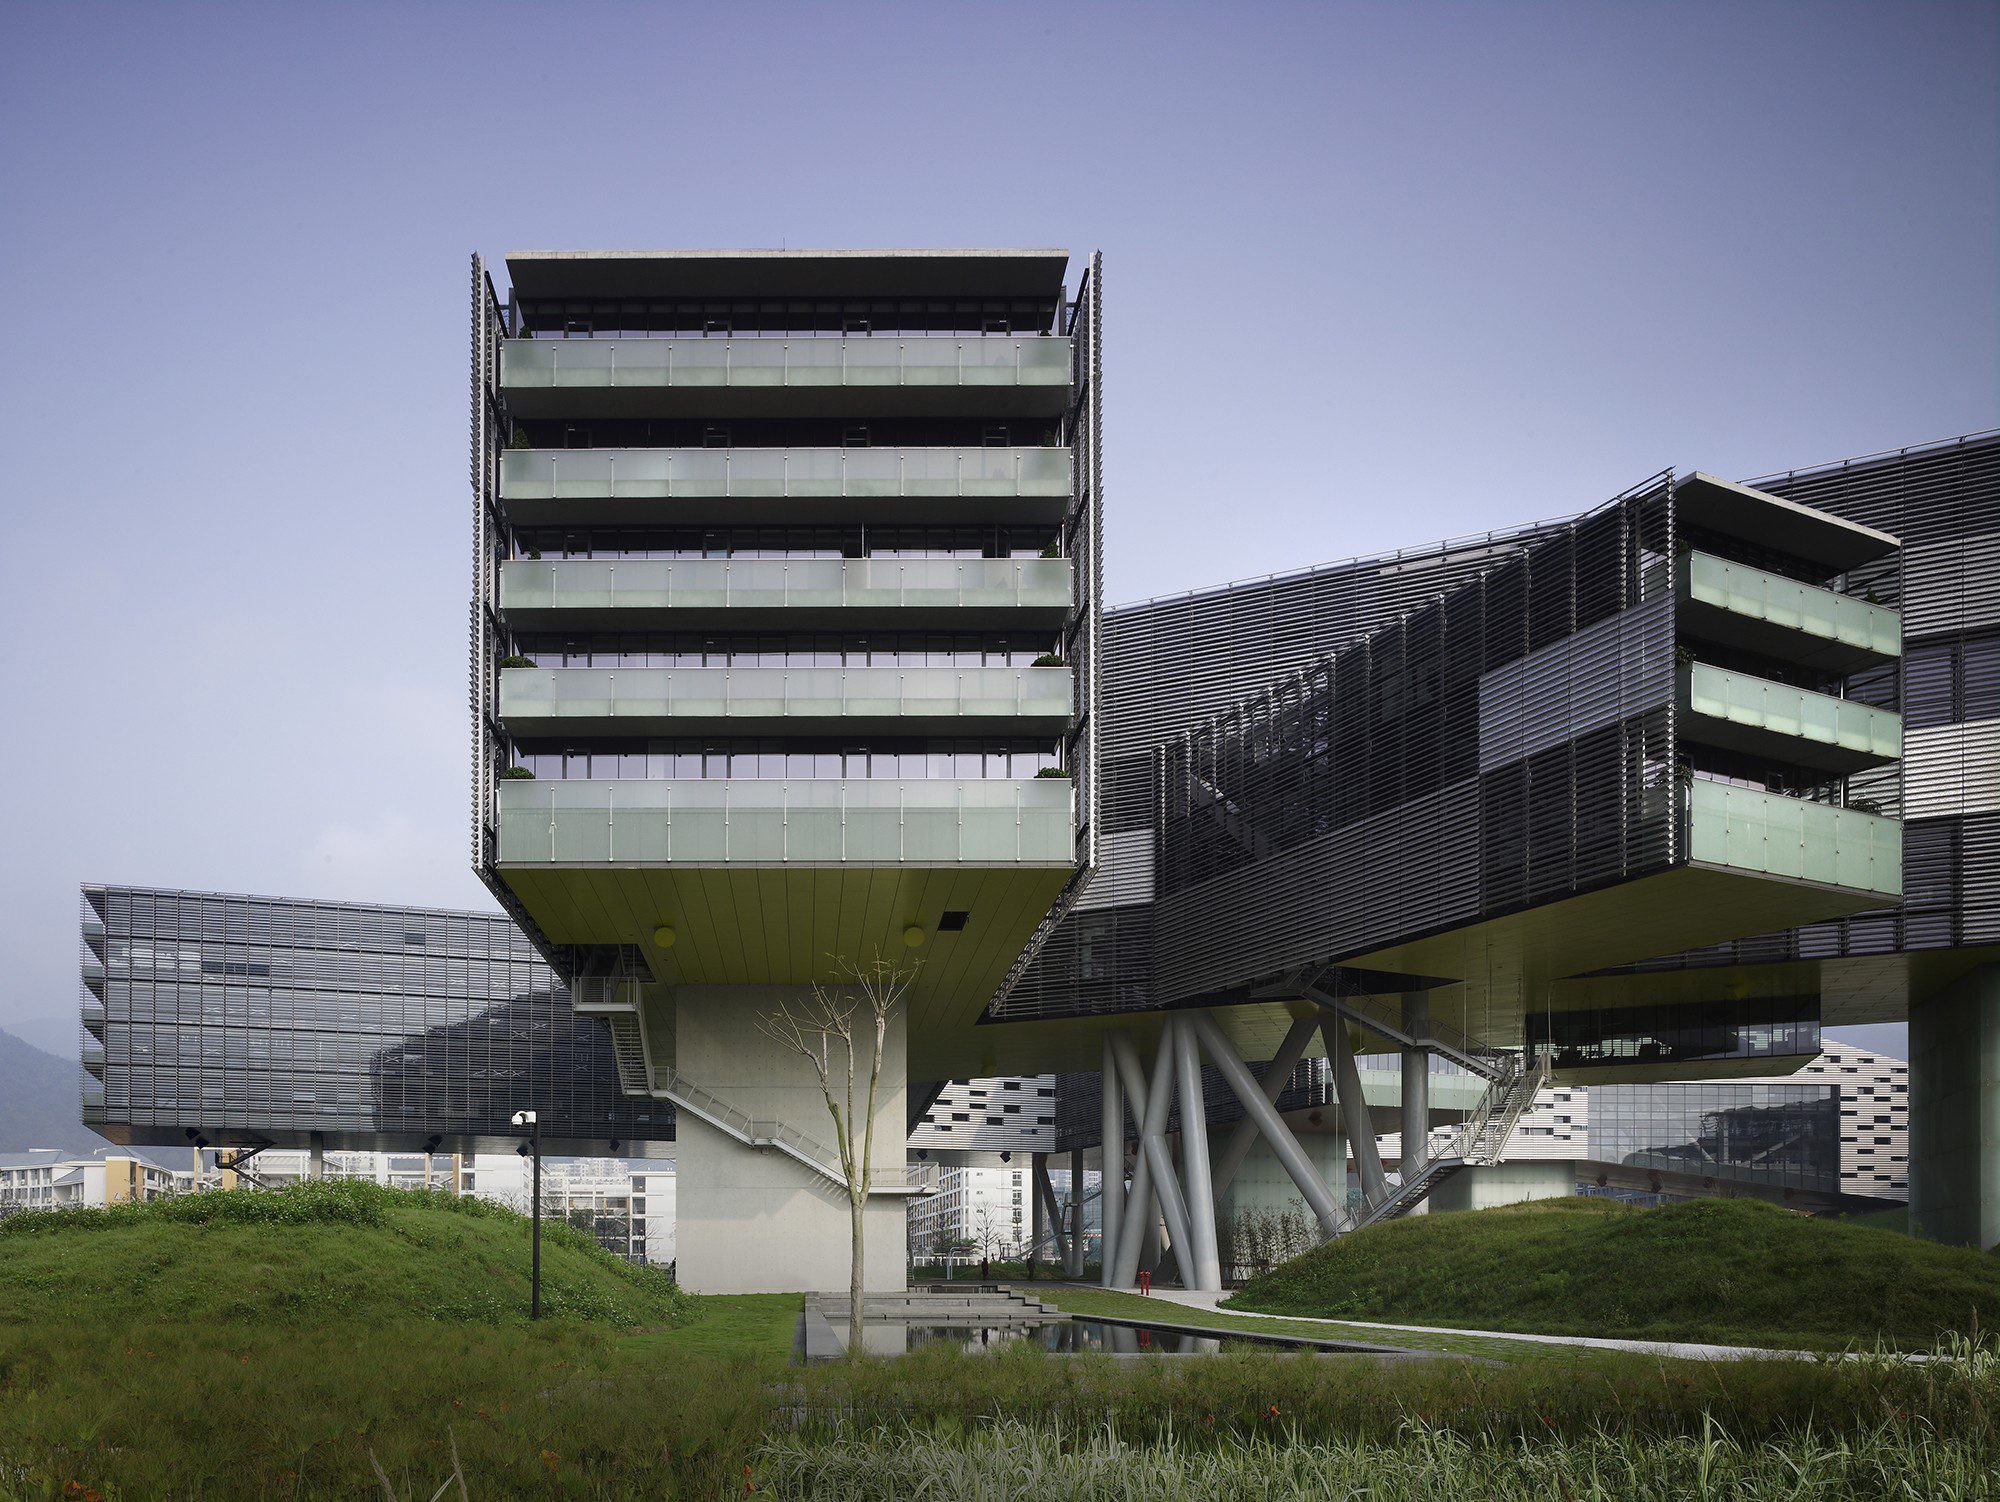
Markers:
<point>856,1206</point>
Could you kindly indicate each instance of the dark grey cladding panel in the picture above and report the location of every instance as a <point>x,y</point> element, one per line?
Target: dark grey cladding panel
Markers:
<point>1171,663</point>
<point>1402,872</point>
<point>1943,502</point>
<point>1608,672</point>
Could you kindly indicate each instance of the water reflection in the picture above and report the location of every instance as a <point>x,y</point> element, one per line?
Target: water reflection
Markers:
<point>1070,1336</point>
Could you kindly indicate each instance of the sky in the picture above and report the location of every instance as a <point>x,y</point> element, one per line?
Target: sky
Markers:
<point>1374,274</point>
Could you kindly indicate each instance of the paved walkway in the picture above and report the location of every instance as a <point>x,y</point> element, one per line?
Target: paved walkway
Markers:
<point>1687,1350</point>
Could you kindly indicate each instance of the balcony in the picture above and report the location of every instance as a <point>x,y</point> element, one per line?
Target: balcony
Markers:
<point>1768,834</point>
<point>751,821</point>
<point>767,701</point>
<point>1735,605</point>
<point>557,487</point>
<point>1785,725</point>
<point>995,375</point>
<point>787,593</point>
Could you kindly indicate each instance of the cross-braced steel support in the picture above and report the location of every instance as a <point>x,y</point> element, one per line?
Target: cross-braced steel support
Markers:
<point>1354,1108</point>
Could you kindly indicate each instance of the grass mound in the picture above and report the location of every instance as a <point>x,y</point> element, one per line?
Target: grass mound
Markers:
<point>1736,1272</point>
<point>358,1253</point>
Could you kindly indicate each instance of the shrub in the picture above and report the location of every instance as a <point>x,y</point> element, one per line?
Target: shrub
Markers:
<point>1048,660</point>
<point>516,774</point>
<point>516,660</point>
<point>1052,772</point>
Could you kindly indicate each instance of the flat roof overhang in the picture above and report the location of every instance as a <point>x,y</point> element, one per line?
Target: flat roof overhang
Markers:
<point>1769,521</point>
<point>985,273</point>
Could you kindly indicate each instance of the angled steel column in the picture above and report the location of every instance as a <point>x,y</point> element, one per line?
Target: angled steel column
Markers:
<point>1159,1169</point>
<point>1132,1231</point>
<point>1111,1204</point>
<point>1416,1083</point>
<point>1354,1118</point>
<point>1271,1124</point>
<point>1047,1215</point>
<point>1229,1162</point>
<point>1073,1264</point>
<point>1202,1267</point>
<point>1037,1214</point>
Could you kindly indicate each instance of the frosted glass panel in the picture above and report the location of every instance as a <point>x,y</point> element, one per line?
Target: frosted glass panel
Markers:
<point>808,821</point>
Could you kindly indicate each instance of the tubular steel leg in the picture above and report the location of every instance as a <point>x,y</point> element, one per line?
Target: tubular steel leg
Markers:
<point>1162,1198</point>
<point>1416,1083</point>
<point>1073,1264</point>
<point>1139,1210</point>
<point>1202,1266</point>
<point>1244,1135</point>
<point>1111,1203</point>
<point>1223,1055</point>
<point>1354,1116</point>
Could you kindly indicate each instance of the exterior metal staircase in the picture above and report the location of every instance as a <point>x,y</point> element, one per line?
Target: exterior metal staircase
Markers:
<point>1385,1017</point>
<point>617,1000</point>
<point>775,1135</point>
<point>1479,1142</point>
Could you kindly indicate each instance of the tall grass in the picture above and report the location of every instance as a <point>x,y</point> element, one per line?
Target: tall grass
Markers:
<point>1011,1460</point>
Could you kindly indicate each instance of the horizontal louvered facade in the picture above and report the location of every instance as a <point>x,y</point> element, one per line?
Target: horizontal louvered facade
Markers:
<point>1943,502</point>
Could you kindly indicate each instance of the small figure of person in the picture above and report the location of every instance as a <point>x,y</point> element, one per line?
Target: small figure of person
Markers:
<point>985,1269</point>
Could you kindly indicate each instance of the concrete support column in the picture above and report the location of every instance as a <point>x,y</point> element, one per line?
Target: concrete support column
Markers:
<point>1416,1083</point>
<point>1111,1172</point>
<point>754,1219</point>
<point>316,1155</point>
<point>1354,1116</point>
<point>1073,1265</point>
<point>1955,1112</point>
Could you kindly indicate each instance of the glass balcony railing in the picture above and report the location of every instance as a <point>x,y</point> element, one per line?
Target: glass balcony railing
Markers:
<point>546,701</point>
<point>1792,838</point>
<point>1866,632</point>
<point>812,822</point>
<point>846,584</point>
<point>1866,734</point>
<point>990,360</point>
<point>806,473</point>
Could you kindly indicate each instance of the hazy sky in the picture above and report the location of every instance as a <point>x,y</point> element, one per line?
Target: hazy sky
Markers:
<point>1375,274</point>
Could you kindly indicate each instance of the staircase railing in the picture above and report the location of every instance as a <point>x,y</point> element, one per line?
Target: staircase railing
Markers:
<point>752,1132</point>
<point>1380,1015</point>
<point>1479,1141</point>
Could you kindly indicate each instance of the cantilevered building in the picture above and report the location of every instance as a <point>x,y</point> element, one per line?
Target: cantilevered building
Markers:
<point>784,636</point>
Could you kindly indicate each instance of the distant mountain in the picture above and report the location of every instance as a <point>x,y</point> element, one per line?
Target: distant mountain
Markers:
<point>56,1034</point>
<point>39,1103</point>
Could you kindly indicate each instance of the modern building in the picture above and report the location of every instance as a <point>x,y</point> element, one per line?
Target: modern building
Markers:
<point>786,611</point>
<point>1857,1126</point>
<point>51,1179</point>
<point>267,1022</point>
<point>784,639</point>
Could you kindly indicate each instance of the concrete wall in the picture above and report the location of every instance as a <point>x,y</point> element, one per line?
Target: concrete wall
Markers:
<point>755,1220</point>
<point>1483,1187</point>
<point>1955,1112</point>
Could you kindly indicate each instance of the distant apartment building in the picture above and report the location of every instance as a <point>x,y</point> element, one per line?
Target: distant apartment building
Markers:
<point>52,1179</point>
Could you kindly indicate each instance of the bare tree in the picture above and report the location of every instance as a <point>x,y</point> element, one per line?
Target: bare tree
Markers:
<point>841,1030</point>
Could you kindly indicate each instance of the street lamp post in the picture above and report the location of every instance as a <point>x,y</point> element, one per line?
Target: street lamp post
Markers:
<point>534,1148</point>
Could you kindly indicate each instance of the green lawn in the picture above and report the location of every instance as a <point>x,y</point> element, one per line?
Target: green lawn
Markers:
<point>1734,1272</point>
<point>281,1345</point>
